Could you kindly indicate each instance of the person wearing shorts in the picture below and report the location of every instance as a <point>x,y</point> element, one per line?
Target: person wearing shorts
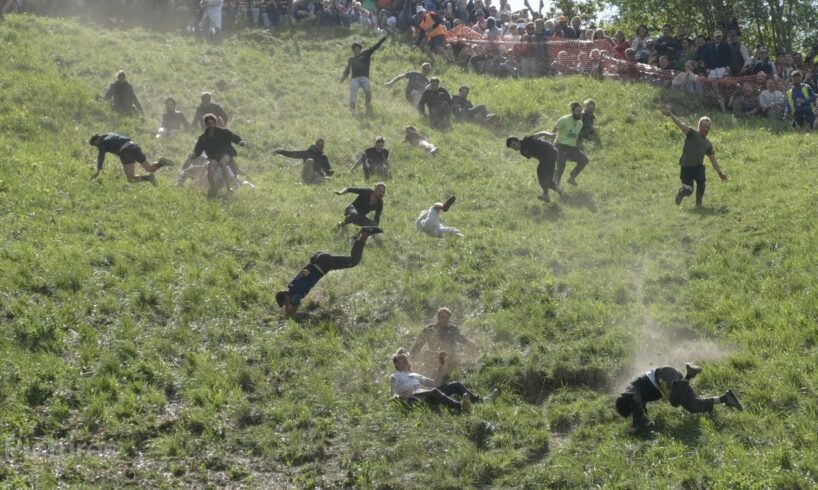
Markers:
<point>129,154</point>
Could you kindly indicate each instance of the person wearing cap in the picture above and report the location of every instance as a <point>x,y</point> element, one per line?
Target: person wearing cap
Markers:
<point>374,160</point>
<point>667,383</point>
<point>534,147</point>
<point>691,162</point>
<point>358,68</point>
<point>122,96</point>
<point>417,82</point>
<point>429,221</point>
<point>717,57</point>
<point>321,263</point>
<point>438,102</point>
<point>800,103</point>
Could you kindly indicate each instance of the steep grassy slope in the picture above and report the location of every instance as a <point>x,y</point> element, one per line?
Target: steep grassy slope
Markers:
<point>141,321</point>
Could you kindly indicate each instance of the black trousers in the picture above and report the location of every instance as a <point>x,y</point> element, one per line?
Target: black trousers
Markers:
<point>545,175</point>
<point>572,153</point>
<point>443,395</point>
<point>682,394</point>
<point>328,262</point>
<point>689,175</point>
<point>351,215</point>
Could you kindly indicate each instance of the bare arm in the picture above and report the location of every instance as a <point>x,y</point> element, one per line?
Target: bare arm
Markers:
<point>678,122</point>
<point>545,134</point>
<point>396,79</point>
<point>715,162</point>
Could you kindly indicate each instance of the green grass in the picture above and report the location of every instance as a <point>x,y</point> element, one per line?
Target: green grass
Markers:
<point>141,320</point>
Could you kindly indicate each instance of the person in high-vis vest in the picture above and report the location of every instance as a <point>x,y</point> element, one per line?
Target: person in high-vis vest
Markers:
<point>800,103</point>
<point>667,383</point>
<point>431,32</point>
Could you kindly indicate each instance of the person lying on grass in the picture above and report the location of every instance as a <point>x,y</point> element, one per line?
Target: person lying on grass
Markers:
<point>429,220</point>
<point>667,383</point>
<point>289,299</point>
<point>413,387</point>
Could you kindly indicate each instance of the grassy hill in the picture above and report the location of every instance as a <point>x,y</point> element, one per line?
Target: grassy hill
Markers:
<point>140,342</point>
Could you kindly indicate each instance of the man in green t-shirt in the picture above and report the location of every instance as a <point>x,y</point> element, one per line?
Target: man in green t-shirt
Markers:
<point>567,129</point>
<point>692,161</point>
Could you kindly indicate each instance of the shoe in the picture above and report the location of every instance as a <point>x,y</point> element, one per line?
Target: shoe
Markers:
<point>573,181</point>
<point>370,230</point>
<point>492,395</point>
<point>679,197</point>
<point>544,198</point>
<point>164,162</point>
<point>692,370</point>
<point>152,179</point>
<point>465,405</point>
<point>448,203</point>
<point>731,401</point>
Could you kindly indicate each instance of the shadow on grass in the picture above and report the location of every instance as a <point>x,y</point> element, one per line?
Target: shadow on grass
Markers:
<point>542,211</point>
<point>581,199</point>
<point>706,210</point>
<point>682,428</point>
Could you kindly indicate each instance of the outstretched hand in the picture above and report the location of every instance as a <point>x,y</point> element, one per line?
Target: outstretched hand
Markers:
<point>340,193</point>
<point>666,111</point>
<point>723,177</point>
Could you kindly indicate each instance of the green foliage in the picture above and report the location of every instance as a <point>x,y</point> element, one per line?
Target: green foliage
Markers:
<point>141,321</point>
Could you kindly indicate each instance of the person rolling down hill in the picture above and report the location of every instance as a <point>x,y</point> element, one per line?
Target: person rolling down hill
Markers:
<point>374,160</point>
<point>413,137</point>
<point>368,200</point>
<point>129,154</point>
<point>358,68</point>
<point>218,144</point>
<point>289,299</point>
<point>315,152</point>
<point>692,160</point>
<point>545,153</point>
<point>429,220</point>
<point>667,383</point>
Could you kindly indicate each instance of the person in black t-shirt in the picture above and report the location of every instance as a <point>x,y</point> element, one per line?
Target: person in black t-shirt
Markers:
<point>172,120</point>
<point>358,68</point>
<point>463,108</point>
<point>374,160</point>
<point>438,100</point>
<point>315,152</point>
<point>368,200</point>
<point>545,153</point>
<point>692,160</point>
<point>416,82</point>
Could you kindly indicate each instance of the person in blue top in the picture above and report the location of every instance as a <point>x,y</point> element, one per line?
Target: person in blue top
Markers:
<point>289,299</point>
<point>800,101</point>
<point>129,154</point>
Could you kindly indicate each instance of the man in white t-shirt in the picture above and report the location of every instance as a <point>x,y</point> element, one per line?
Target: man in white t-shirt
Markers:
<point>411,387</point>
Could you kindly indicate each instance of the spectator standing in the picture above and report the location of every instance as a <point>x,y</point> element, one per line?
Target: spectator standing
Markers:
<point>717,57</point>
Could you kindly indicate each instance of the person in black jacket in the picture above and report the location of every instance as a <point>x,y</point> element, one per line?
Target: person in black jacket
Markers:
<point>438,100</point>
<point>218,144</point>
<point>122,96</point>
<point>368,200</point>
<point>669,384</point>
<point>374,160</point>
<point>717,57</point>
<point>358,68</point>
<point>546,153</point>
<point>316,152</point>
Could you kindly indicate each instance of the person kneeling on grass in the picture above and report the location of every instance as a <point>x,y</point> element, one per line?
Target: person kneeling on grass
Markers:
<point>669,384</point>
<point>129,154</point>
<point>289,299</point>
<point>413,387</point>
<point>429,220</point>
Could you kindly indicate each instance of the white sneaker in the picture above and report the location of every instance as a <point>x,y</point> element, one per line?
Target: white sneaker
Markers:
<point>492,395</point>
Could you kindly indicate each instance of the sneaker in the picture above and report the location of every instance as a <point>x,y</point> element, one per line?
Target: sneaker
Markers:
<point>544,198</point>
<point>448,203</point>
<point>692,370</point>
<point>573,181</point>
<point>731,401</point>
<point>370,230</point>
<point>164,162</point>
<point>465,405</point>
<point>152,179</point>
<point>492,395</point>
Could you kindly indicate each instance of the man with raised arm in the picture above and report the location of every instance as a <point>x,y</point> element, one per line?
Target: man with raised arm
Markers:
<point>358,68</point>
<point>314,152</point>
<point>692,160</point>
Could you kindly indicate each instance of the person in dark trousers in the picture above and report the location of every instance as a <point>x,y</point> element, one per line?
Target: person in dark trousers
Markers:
<point>316,152</point>
<point>122,96</point>
<point>207,106</point>
<point>374,160</point>
<point>129,154</point>
<point>172,120</point>
<point>566,138</point>
<point>218,144</point>
<point>463,108</point>
<point>667,383</point>
<point>358,68</point>
<point>438,100</point>
<point>414,387</point>
<point>533,147</point>
<point>692,160</point>
<point>588,132</point>
<point>800,102</point>
<point>368,200</point>
<point>441,336</point>
<point>321,263</point>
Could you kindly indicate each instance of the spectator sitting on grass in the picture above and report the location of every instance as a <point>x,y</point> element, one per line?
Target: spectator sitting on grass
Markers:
<point>772,101</point>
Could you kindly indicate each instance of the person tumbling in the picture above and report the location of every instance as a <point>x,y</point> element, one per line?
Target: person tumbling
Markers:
<point>314,152</point>
<point>416,83</point>
<point>368,200</point>
<point>321,263</point>
<point>374,160</point>
<point>415,138</point>
<point>358,68</point>
<point>438,101</point>
<point>692,160</point>
<point>533,147</point>
<point>429,220</point>
<point>667,383</point>
<point>129,154</point>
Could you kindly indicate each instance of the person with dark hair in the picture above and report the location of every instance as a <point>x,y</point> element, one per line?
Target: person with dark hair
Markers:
<point>358,68</point>
<point>414,387</point>
<point>129,154</point>
<point>374,160</point>
<point>315,152</point>
<point>321,263</point>
<point>206,107</point>
<point>441,336</point>
<point>533,147</point>
<point>463,108</point>
<point>417,82</point>
<point>218,144</point>
<point>438,100</point>
<point>122,96</point>
<point>172,120</point>
<point>667,383</point>
<point>368,200</point>
<point>692,160</point>
<point>566,136</point>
